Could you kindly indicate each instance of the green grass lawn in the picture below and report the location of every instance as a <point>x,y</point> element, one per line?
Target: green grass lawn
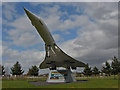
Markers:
<point>106,82</point>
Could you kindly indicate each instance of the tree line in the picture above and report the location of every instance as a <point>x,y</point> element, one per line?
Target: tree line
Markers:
<point>108,69</point>
<point>17,70</point>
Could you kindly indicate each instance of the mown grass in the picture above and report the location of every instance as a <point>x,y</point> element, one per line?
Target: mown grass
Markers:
<point>101,82</point>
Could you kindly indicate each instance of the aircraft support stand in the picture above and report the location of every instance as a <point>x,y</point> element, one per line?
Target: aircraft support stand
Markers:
<point>59,76</point>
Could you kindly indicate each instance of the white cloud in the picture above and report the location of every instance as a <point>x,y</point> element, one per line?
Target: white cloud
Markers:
<point>0,3</point>
<point>52,16</point>
<point>57,37</point>
<point>26,40</point>
<point>9,11</point>
<point>23,34</point>
<point>26,58</point>
<point>39,3</point>
<point>61,1</point>
<point>101,11</point>
<point>22,23</point>
<point>109,61</point>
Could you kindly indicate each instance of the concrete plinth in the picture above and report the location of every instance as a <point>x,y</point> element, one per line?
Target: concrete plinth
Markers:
<point>60,76</point>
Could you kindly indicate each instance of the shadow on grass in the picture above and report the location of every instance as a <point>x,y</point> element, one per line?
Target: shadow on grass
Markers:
<point>43,83</point>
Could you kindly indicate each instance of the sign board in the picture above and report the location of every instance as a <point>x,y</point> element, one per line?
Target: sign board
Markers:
<point>59,74</point>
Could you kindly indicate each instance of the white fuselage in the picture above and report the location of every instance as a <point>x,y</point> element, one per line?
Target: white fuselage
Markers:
<point>41,28</point>
<point>44,32</point>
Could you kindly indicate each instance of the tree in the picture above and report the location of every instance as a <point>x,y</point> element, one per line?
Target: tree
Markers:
<point>87,71</point>
<point>95,71</point>
<point>33,71</point>
<point>107,69</point>
<point>2,71</point>
<point>115,66</point>
<point>16,69</point>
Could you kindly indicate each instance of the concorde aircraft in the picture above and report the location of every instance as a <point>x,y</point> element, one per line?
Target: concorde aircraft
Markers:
<point>55,57</point>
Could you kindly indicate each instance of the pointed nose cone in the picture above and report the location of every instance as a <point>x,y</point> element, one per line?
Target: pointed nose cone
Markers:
<point>27,12</point>
<point>31,16</point>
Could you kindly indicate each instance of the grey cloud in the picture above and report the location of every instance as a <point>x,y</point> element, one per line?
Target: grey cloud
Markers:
<point>98,41</point>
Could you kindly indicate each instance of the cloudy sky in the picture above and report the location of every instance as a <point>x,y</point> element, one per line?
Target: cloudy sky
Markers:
<point>87,31</point>
<point>0,32</point>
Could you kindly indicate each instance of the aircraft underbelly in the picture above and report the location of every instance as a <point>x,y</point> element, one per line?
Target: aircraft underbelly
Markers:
<point>59,59</point>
